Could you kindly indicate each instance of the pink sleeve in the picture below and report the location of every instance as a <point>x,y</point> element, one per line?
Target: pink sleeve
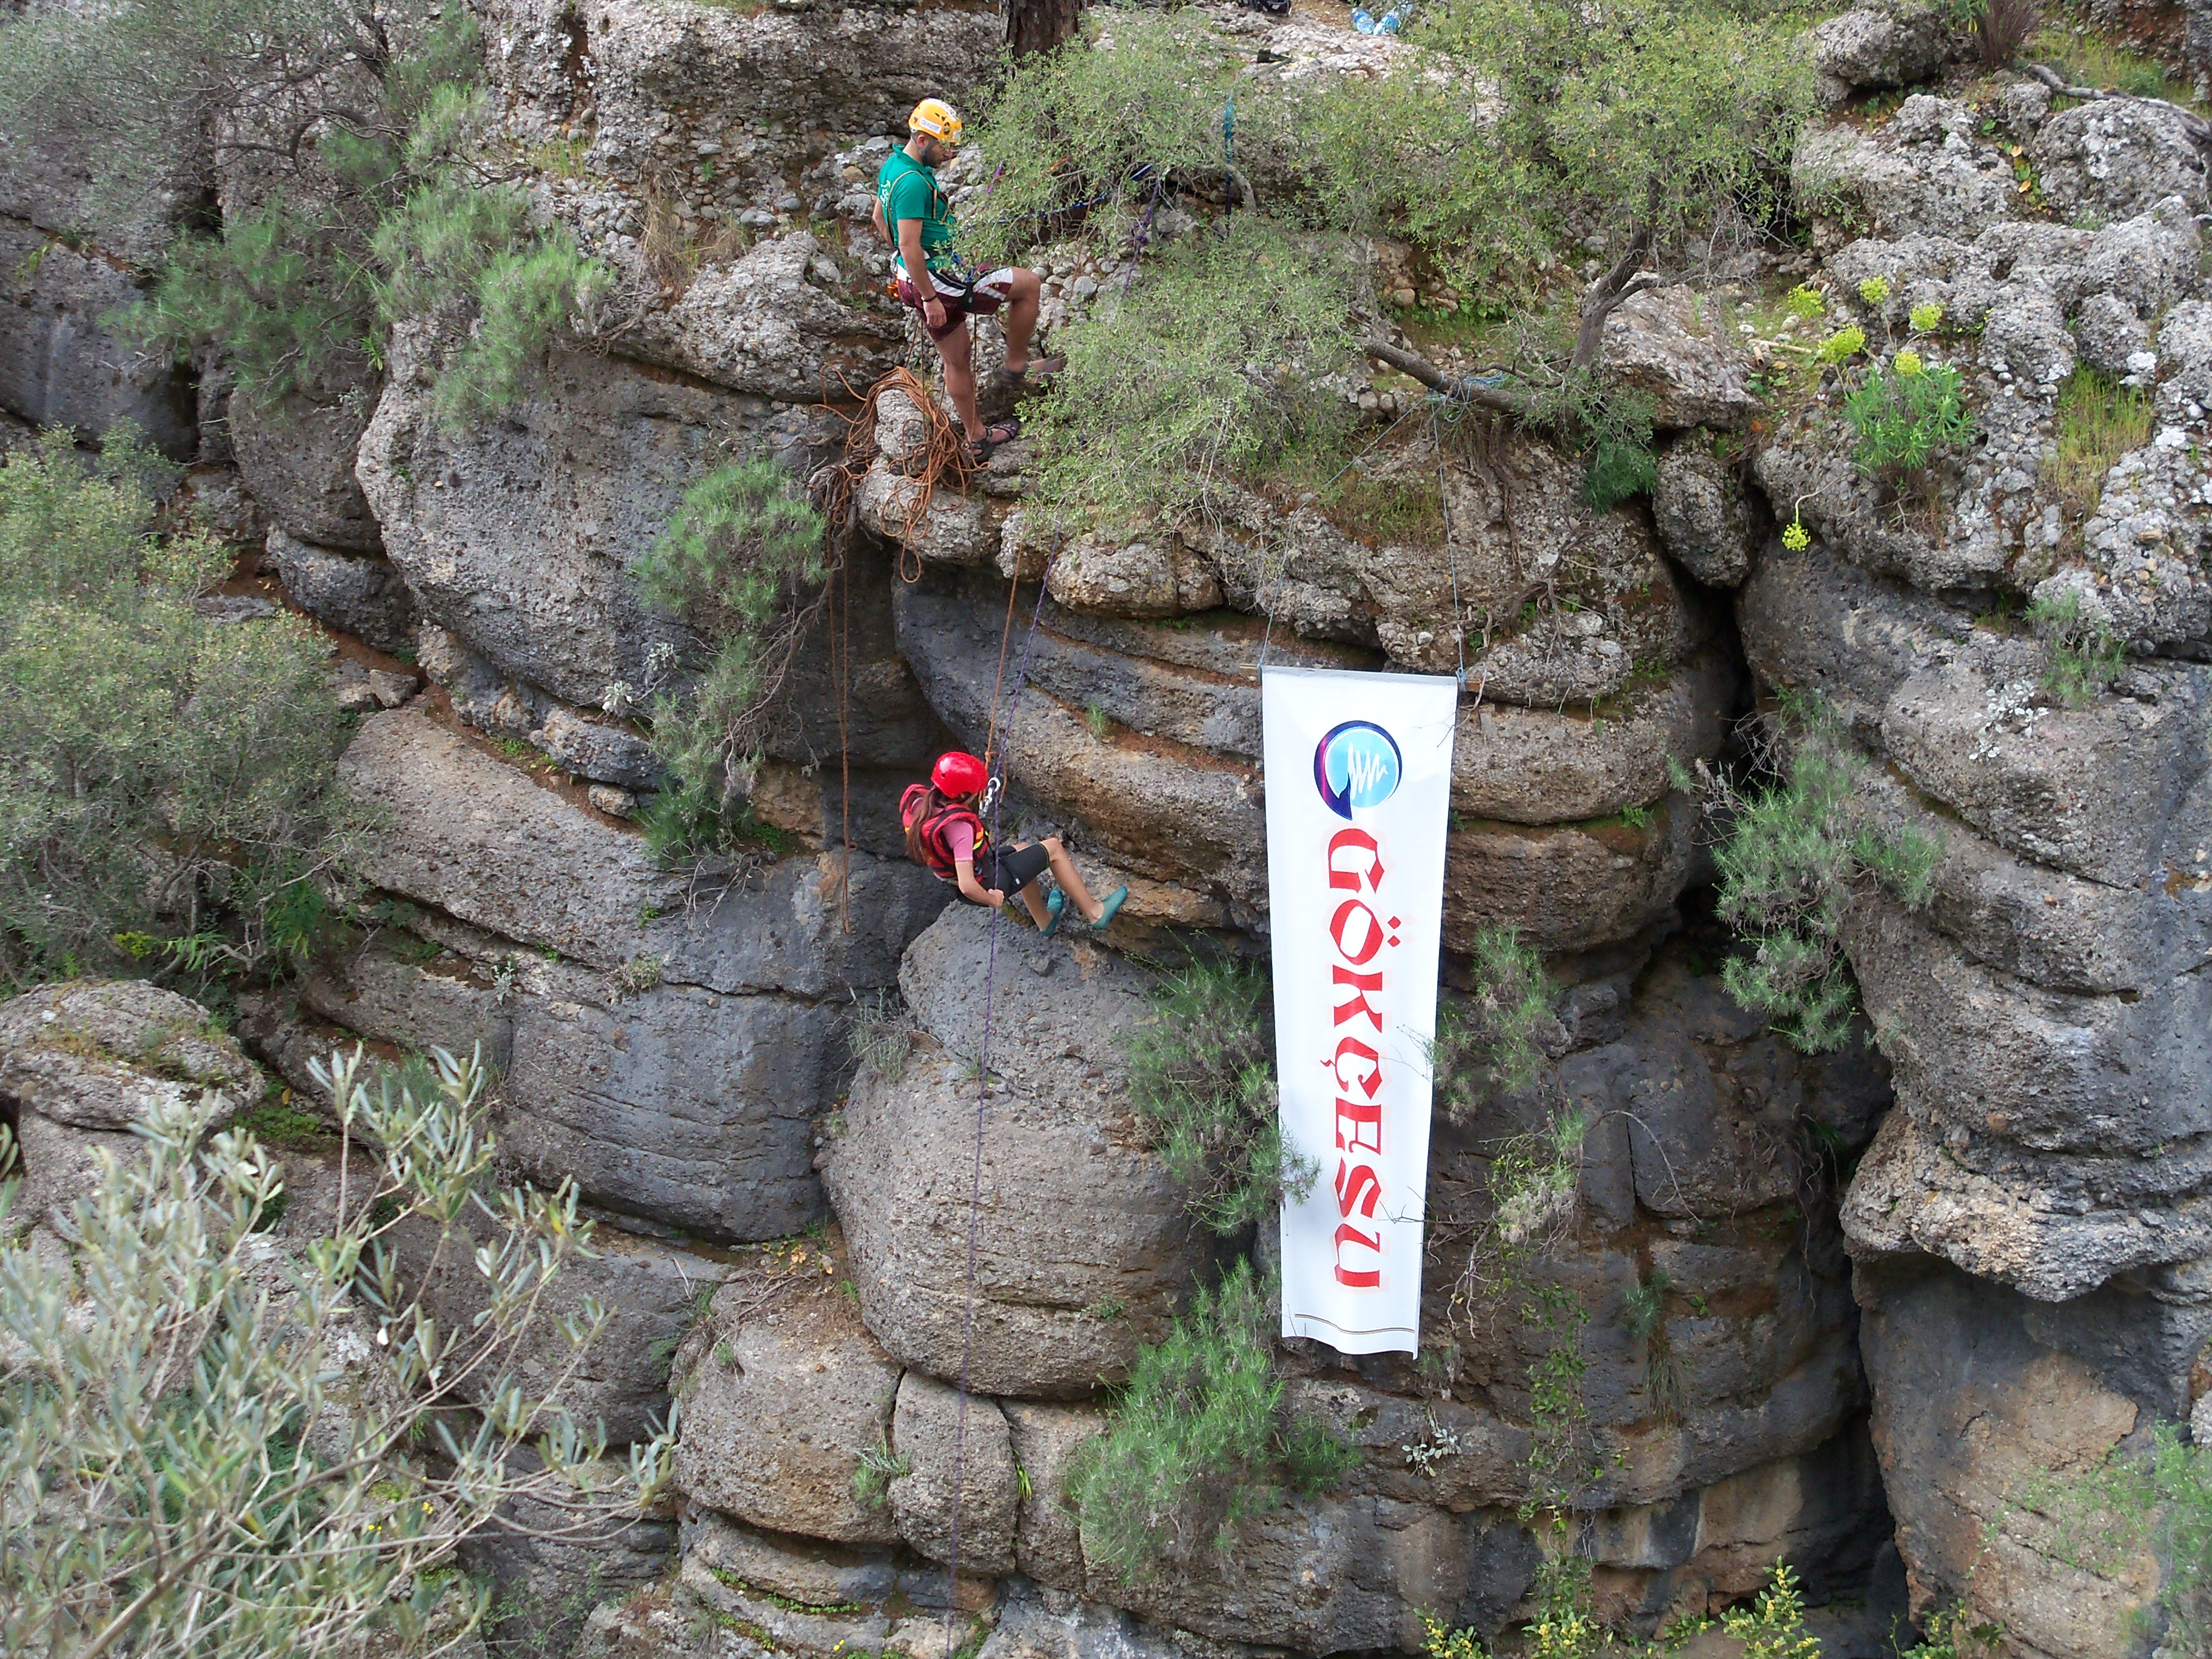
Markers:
<point>962,839</point>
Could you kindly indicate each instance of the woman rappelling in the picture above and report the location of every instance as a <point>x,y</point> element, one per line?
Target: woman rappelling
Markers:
<point>945,834</point>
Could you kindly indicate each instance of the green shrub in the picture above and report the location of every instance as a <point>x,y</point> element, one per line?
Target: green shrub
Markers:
<point>1904,414</point>
<point>1793,853</point>
<point>1487,1043</point>
<point>743,534</point>
<point>202,1469</point>
<point>2157,1499</point>
<point>1636,129</point>
<point>1211,368</point>
<point>276,1122</point>
<point>165,780</point>
<point>742,561</point>
<point>454,245</point>
<point>1106,126</point>
<point>1202,1080</point>
<point>1392,157</point>
<point>1617,471</point>
<point>267,294</point>
<point>879,1034</point>
<point>1953,1634</point>
<point>2081,654</point>
<point>1565,1624</point>
<point>1774,1628</point>
<point>297,294</point>
<point>1612,424</point>
<point>873,1473</point>
<point>1199,1438</point>
<point>1651,117</point>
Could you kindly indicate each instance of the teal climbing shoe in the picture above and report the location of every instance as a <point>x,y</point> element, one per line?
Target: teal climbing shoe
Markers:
<point>1055,901</point>
<point>1114,900</point>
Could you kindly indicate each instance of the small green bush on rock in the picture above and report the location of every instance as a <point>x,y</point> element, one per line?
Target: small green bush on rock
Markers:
<point>1200,1438</point>
<point>2082,655</point>
<point>402,219</point>
<point>1794,852</point>
<point>743,561</point>
<point>1904,414</point>
<point>1487,1043</point>
<point>1209,369</point>
<point>1202,1079</point>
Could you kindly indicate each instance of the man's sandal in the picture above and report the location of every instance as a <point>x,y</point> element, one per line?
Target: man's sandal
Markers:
<point>1034,375</point>
<point>999,432</point>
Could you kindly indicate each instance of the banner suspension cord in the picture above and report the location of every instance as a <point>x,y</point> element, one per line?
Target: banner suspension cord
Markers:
<point>1451,559</point>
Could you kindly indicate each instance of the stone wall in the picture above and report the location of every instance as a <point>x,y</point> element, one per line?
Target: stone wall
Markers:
<point>1897,1286</point>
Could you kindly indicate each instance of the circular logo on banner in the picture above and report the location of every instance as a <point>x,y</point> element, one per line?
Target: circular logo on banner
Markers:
<point>1356,764</point>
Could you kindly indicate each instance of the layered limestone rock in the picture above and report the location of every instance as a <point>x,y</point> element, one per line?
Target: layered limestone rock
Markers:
<point>1088,1250</point>
<point>1146,736</point>
<point>517,537</point>
<point>81,1064</point>
<point>63,363</point>
<point>1726,1429</point>
<point>672,1053</point>
<point>2029,1223</point>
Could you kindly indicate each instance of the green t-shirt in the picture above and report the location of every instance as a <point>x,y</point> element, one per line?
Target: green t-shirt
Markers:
<point>909,190</point>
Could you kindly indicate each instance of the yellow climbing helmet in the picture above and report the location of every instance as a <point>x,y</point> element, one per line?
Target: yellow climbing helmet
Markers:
<point>936,118</point>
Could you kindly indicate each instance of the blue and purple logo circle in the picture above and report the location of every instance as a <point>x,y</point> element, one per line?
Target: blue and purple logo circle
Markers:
<point>1357,765</point>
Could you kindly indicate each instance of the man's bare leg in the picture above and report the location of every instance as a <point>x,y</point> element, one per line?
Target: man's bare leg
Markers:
<point>1021,318</point>
<point>960,380</point>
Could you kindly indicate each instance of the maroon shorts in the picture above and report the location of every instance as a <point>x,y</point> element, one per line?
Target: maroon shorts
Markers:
<point>978,297</point>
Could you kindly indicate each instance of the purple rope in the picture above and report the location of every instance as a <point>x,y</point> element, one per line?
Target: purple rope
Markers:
<point>1138,239</point>
<point>975,1180</point>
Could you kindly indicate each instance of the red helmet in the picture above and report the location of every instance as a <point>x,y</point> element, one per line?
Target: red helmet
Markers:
<point>958,774</point>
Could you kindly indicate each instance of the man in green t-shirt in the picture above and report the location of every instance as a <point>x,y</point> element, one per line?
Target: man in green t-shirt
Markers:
<point>913,213</point>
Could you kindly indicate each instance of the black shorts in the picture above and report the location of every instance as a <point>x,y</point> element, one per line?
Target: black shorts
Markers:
<point>1014,869</point>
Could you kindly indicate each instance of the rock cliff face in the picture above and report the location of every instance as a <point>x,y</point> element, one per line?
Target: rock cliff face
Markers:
<point>1898,1285</point>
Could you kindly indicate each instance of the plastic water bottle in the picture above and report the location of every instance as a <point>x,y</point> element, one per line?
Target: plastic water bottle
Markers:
<point>1363,23</point>
<point>1389,25</point>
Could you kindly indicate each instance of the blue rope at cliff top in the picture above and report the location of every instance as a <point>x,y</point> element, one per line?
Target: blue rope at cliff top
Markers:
<point>994,806</point>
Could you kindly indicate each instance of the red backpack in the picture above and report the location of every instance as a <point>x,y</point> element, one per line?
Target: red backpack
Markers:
<point>936,850</point>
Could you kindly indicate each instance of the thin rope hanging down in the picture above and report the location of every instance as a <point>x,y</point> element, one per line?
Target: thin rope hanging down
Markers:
<point>982,1096</point>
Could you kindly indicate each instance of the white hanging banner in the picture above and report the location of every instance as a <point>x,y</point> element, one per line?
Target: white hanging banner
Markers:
<point>1359,780</point>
